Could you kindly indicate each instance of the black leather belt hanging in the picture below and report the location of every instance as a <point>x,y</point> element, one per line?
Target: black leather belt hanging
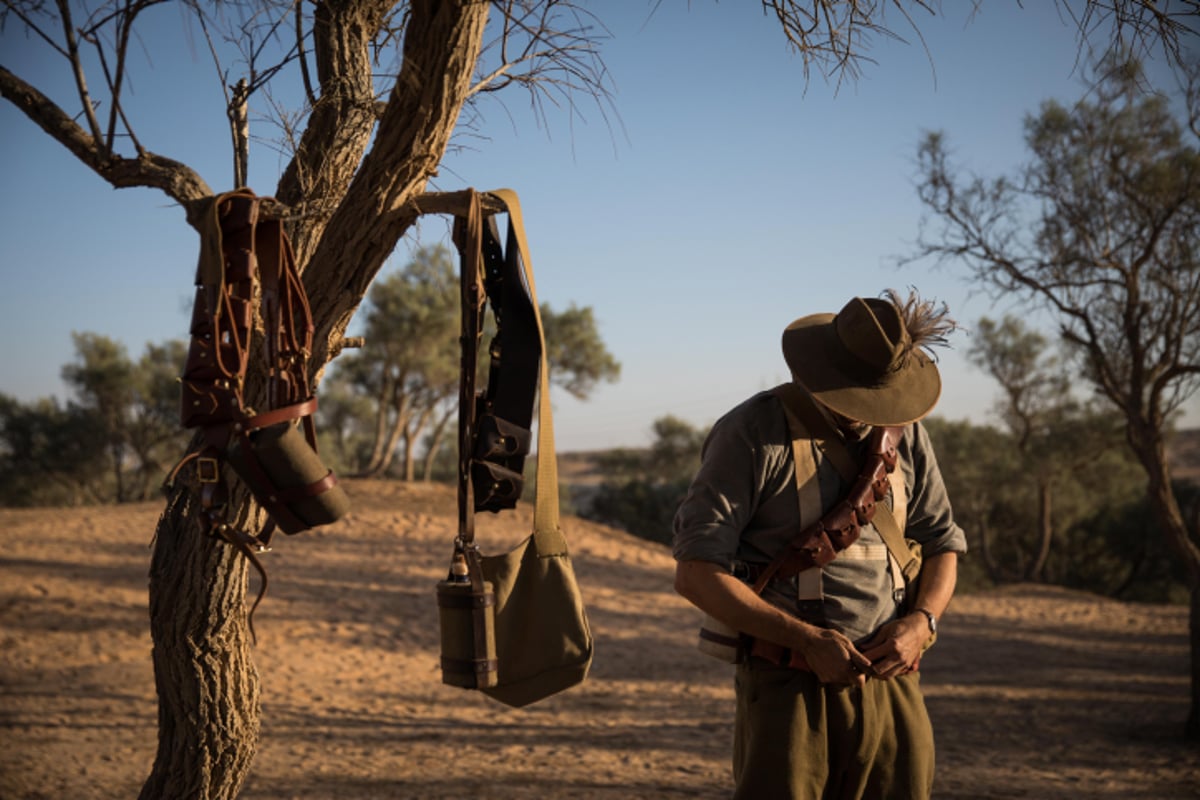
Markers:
<point>502,414</point>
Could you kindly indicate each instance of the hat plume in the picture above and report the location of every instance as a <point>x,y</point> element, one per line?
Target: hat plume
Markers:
<point>928,322</point>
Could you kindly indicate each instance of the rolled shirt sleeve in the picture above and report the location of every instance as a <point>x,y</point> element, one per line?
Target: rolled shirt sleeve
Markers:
<point>737,499</point>
<point>930,518</point>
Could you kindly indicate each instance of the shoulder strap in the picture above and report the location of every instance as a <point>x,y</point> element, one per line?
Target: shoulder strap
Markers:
<point>525,369</point>
<point>547,533</point>
<point>803,417</point>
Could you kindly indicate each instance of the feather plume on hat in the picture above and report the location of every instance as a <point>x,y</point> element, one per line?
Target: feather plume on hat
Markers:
<point>928,323</point>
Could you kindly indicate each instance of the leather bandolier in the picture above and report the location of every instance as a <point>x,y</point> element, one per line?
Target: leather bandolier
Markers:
<point>821,541</point>
<point>248,289</point>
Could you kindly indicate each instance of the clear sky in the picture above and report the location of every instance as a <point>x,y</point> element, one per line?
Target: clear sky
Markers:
<point>723,199</point>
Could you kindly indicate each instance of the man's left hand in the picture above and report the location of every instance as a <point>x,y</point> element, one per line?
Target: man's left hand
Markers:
<point>897,645</point>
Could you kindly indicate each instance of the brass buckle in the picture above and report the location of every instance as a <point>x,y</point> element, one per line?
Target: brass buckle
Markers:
<point>207,469</point>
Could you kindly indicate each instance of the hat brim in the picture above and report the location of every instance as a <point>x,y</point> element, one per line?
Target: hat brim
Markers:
<point>820,364</point>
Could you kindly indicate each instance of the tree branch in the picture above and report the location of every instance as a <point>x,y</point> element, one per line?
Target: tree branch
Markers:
<point>177,180</point>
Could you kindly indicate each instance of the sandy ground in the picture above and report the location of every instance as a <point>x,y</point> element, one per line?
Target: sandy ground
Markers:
<point>1035,692</point>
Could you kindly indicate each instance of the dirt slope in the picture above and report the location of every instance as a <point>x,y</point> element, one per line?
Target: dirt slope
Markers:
<point>1035,692</point>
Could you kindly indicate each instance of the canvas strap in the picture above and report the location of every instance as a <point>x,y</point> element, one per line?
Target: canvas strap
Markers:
<point>519,368</point>
<point>807,426</point>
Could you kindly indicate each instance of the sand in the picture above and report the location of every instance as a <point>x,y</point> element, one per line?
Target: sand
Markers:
<point>1035,692</point>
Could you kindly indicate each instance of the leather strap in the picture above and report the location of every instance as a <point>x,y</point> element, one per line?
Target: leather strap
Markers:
<point>471,237</point>
<point>239,246</point>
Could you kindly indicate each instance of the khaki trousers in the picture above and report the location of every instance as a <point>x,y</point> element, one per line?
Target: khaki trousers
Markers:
<point>795,739</point>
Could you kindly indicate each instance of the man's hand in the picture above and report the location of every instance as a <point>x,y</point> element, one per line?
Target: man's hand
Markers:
<point>834,660</point>
<point>897,645</point>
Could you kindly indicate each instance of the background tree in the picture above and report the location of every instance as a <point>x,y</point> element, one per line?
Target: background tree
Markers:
<point>408,365</point>
<point>1099,229</point>
<point>985,480</point>
<point>114,441</point>
<point>643,488</point>
<point>102,381</point>
<point>407,370</point>
<point>381,86</point>
<point>50,455</point>
<point>1056,436</point>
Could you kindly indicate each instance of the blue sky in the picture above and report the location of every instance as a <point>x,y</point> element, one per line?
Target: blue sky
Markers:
<point>728,198</point>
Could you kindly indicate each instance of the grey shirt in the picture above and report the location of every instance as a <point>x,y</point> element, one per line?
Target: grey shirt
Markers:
<point>743,506</point>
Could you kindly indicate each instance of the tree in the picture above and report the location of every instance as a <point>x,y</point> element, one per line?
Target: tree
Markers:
<point>1099,229</point>
<point>409,363</point>
<point>361,140</point>
<point>644,487</point>
<point>408,366</point>
<point>135,408</point>
<point>50,455</point>
<point>1055,435</point>
<point>102,380</point>
<point>113,442</point>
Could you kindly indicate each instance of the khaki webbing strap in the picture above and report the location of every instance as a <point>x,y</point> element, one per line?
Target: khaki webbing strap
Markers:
<point>803,417</point>
<point>899,498</point>
<point>808,487</point>
<point>816,427</point>
<point>547,533</point>
<point>809,585</point>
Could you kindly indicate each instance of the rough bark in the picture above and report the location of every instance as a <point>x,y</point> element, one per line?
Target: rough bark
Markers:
<point>208,688</point>
<point>1151,451</point>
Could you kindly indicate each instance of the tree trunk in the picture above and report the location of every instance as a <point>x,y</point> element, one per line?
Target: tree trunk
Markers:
<point>412,435</point>
<point>1147,443</point>
<point>380,465</point>
<point>435,444</point>
<point>208,688</point>
<point>207,684</point>
<point>382,414</point>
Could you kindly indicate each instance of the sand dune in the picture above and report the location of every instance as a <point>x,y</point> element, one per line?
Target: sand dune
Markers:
<point>1035,692</point>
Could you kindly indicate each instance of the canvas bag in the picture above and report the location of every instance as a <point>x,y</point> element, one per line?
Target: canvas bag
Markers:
<point>529,635</point>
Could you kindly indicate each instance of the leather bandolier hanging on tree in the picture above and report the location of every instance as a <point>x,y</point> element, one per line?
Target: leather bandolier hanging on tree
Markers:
<point>248,291</point>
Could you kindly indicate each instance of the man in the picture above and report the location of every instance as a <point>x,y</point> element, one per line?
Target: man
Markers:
<point>843,715</point>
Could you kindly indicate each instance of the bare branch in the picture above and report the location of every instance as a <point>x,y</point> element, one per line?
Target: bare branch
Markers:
<point>77,68</point>
<point>551,49</point>
<point>834,35</point>
<point>177,180</point>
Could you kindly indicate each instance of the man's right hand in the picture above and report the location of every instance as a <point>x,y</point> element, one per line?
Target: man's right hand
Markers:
<point>833,658</point>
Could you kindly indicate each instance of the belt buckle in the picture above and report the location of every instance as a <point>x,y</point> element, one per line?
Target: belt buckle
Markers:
<point>207,469</point>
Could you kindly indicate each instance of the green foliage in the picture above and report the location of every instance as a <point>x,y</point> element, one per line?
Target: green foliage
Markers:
<point>1101,519</point>
<point>407,372</point>
<point>1119,551</point>
<point>114,440</point>
<point>575,350</point>
<point>646,486</point>
<point>399,393</point>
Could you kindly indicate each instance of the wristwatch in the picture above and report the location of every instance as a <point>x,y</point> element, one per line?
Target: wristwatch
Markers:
<point>929,616</point>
